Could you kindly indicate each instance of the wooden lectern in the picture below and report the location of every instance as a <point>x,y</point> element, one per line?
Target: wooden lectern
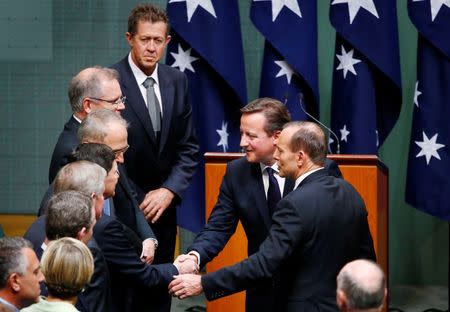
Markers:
<point>365,172</point>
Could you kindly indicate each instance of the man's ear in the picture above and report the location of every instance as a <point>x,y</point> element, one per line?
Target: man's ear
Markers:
<point>276,136</point>
<point>301,157</point>
<point>81,233</point>
<point>341,300</point>
<point>13,281</point>
<point>86,106</point>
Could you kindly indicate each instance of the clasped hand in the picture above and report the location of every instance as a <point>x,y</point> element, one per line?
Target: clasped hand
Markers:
<point>187,283</point>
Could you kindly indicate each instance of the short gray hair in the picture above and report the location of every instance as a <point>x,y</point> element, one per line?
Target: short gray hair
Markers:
<point>363,283</point>
<point>12,259</point>
<point>83,176</point>
<point>67,213</point>
<point>96,125</point>
<point>88,83</point>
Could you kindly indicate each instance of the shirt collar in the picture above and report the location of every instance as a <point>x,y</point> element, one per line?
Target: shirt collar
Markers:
<point>139,74</point>
<point>274,167</point>
<point>9,305</point>
<point>303,177</point>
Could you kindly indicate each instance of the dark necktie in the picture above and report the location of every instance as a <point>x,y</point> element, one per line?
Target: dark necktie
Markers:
<point>273,193</point>
<point>153,105</point>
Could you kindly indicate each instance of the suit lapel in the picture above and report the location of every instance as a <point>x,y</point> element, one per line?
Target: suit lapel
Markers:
<point>259,194</point>
<point>124,182</point>
<point>135,100</point>
<point>167,93</point>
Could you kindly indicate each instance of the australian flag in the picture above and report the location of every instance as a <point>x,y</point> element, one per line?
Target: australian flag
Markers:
<point>289,70</point>
<point>366,98</point>
<point>428,183</point>
<point>207,46</point>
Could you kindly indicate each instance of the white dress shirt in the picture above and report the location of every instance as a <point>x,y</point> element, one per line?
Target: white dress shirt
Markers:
<point>140,77</point>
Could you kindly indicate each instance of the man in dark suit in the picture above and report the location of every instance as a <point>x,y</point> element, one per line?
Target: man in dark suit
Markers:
<point>106,127</point>
<point>73,213</point>
<point>163,149</point>
<point>244,193</point>
<point>316,229</point>
<point>91,89</point>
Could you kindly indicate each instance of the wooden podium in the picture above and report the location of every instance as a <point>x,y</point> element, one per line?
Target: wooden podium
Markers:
<point>365,172</point>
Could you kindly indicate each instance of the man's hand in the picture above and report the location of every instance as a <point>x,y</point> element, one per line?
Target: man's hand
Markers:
<point>186,285</point>
<point>155,202</point>
<point>186,264</point>
<point>148,251</point>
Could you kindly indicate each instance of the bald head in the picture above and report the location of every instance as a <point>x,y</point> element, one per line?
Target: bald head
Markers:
<point>361,286</point>
<point>91,82</point>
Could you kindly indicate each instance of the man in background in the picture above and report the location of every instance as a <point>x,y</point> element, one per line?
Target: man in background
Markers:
<point>163,153</point>
<point>20,274</point>
<point>361,287</point>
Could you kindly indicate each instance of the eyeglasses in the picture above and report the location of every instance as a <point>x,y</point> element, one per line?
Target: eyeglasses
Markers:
<point>122,150</point>
<point>114,103</point>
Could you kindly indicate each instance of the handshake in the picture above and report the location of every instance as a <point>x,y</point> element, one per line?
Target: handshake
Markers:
<point>188,282</point>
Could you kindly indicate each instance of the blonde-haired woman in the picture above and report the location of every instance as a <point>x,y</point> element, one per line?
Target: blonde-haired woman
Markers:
<point>67,265</point>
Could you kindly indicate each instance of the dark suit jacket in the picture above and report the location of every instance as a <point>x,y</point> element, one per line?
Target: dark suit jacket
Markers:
<point>96,295</point>
<point>242,198</point>
<point>66,143</point>
<point>315,230</point>
<point>135,286</point>
<point>169,164</point>
<point>125,198</point>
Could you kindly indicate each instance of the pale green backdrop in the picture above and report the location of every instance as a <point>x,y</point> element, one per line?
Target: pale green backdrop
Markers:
<point>44,43</point>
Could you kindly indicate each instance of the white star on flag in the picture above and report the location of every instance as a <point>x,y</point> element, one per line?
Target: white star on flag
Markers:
<point>416,94</point>
<point>376,134</point>
<point>355,5</point>
<point>429,147</point>
<point>223,133</point>
<point>285,69</point>
<point>344,133</point>
<point>436,6</point>
<point>183,59</point>
<point>277,6</point>
<point>192,5</point>
<point>347,61</point>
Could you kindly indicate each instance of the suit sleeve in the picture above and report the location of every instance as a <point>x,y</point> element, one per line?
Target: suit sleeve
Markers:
<point>285,234</point>
<point>187,150</point>
<point>95,295</point>
<point>221,224</point>
<point>123,259</point>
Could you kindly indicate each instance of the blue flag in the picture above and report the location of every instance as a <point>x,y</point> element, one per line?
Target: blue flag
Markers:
<point>206,45</point>
<point>289,70</point>
<point>366,96</point>
<point>428,184</point>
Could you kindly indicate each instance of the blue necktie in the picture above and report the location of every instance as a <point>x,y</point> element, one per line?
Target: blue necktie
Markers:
<point>273,193</point>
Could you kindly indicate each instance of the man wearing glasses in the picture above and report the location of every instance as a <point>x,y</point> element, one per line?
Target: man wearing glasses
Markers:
<point>94,89</point>
<point>91,89</point>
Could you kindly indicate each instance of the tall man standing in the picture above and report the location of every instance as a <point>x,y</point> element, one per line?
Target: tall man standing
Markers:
<point>249,193</point>
<point>316,229</point>
<point>163,149</point>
